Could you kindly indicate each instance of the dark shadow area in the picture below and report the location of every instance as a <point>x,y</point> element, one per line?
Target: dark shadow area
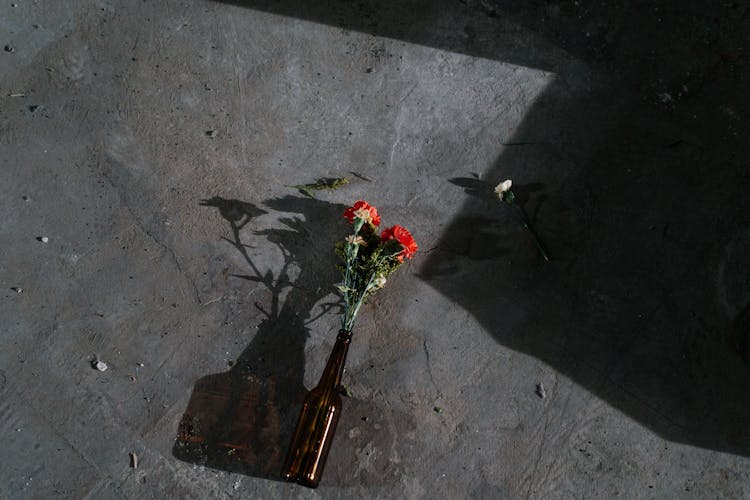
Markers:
<point>635,40</point>
<point>629,308</point>
<point>241,420</point>
<point>740,337</point>
<point>482,235</point>
<point>467,27</point>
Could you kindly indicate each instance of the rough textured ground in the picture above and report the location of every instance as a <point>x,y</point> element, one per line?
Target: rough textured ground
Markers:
<point>152,144</point>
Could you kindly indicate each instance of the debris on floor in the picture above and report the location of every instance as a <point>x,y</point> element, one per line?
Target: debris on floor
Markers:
<point>321,184</point>
<point>540,391</point>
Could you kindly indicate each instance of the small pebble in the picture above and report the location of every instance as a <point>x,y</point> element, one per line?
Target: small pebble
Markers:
<point>43,239</point>
<point>133,460</point>
<point>101,366</point>
<point>17,289</point>
<point>25,198</point>
<point>211,133</point>
<point>140,364</point>
<point>8,48</point>
<point>540,391</point>
<point>33,107</point>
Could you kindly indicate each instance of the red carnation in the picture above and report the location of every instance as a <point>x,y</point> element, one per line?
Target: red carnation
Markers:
<point>364,211</point>
<point>404,237</point>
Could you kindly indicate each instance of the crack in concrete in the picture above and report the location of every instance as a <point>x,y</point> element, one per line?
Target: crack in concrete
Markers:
<point>142,226</point>
<point>428,364</point>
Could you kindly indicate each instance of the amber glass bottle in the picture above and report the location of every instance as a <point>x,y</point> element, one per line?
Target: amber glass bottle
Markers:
<point>317,421</point>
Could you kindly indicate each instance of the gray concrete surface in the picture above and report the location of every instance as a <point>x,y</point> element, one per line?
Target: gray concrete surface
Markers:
<point>624,127</point>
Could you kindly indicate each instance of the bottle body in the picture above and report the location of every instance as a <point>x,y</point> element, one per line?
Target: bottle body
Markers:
<point>317,421</point>
<point>312,439</point>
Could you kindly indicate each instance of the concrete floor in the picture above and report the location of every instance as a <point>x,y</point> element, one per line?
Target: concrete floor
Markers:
<point>152,144</point>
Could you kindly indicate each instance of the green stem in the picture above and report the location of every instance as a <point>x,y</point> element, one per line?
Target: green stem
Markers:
<point>350,316</point>
<point>529,227</point>
<point>350,322</point>
<point>352,250</point>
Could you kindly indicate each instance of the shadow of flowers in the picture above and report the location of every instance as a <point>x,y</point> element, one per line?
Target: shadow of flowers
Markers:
<point>241,420</point>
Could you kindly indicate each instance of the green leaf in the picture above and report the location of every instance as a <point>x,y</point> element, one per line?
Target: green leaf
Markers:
<point>304,190</point>
<point>321,184</point>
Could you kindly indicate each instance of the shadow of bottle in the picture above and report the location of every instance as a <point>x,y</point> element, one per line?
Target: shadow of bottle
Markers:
<point>241,420</point>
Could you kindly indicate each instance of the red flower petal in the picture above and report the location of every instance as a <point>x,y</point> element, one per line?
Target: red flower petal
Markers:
<point>362,205</point>
<point>404,237</point>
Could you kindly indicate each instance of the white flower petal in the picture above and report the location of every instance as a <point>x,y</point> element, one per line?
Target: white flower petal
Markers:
<point>503,187</point>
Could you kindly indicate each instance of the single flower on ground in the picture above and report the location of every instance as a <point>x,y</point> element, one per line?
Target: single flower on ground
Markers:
<point>506,195</point>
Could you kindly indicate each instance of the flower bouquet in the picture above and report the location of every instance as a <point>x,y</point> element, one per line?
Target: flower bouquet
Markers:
<point>368,258</point>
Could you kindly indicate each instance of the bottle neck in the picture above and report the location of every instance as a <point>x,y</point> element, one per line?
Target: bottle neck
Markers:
<point>331,377</point>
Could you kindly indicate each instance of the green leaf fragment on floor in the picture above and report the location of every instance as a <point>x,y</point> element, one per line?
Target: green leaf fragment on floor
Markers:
<point>330,183</point>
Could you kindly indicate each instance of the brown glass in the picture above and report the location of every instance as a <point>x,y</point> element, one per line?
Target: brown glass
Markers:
<point>317,421</point>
